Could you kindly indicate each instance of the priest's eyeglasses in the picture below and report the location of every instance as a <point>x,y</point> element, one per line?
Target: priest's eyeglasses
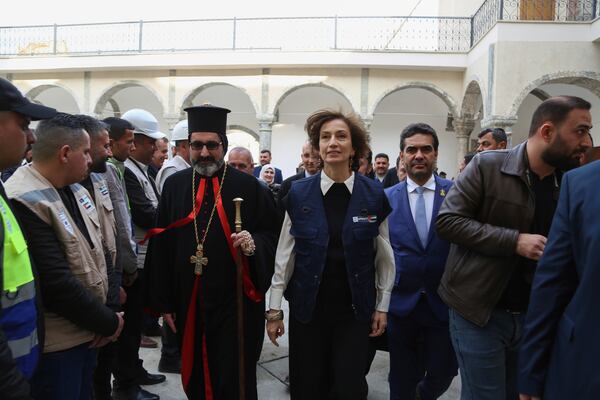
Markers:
<point>210,145</point>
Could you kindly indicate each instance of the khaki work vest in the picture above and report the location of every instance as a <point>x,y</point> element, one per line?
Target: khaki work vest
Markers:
<point>104,208</point>
<point>88,265</point>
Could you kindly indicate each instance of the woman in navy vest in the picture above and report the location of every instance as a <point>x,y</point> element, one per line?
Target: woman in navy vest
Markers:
<point>334,264</point>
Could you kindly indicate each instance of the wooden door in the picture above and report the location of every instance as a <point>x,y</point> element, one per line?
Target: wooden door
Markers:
<point>537,10</point>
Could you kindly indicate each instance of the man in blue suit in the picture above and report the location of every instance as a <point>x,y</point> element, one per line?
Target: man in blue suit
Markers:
<point>559,353</point>
<point>422,360</point>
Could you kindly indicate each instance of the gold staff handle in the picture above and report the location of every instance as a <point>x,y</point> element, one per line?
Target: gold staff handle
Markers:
<point>238,214</point>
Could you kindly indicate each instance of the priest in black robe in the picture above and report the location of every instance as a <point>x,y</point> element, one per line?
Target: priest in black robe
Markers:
<point>202,304</point>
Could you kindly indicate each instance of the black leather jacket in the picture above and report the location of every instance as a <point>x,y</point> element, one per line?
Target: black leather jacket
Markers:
<point>484,212</point>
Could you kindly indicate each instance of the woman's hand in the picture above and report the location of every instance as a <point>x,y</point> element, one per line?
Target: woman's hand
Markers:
<point>275,329</point>
<point>378,324</point>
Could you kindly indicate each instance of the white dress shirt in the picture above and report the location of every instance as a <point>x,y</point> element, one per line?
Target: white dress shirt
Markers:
<point>385,270</point>
<point>428,195</point>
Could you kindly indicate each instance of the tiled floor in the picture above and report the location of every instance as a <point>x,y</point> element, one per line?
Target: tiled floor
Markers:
<point>272,373</point>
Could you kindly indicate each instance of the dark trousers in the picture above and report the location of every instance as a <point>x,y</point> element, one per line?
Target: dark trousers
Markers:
<point>65,375</point>
<point>328,357</point>
<point>128,366</point>
<point>420,339</point>
<point>104,368</point>
<point>170,347</point>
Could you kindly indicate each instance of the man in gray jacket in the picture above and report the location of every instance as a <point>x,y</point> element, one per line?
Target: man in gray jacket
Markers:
<point>497,215</point>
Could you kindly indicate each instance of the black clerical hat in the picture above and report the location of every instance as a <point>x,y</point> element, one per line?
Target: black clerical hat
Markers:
<point>208,118</point>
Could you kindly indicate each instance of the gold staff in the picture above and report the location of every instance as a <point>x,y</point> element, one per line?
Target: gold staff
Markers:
<point>240,302</point>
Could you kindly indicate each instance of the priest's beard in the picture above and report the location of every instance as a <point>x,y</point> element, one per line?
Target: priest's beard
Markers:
<point>208,166</point>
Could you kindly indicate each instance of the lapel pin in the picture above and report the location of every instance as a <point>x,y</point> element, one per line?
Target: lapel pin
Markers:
<point>442,193</point>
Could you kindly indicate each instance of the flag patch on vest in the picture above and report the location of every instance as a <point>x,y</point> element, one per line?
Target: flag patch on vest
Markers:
<point>365,218</point>
<point>104,190</point>
<point>65,221</point>
<point>86,202</point>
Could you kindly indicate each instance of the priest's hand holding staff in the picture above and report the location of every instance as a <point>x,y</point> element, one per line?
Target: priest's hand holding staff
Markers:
<point>244,241</point>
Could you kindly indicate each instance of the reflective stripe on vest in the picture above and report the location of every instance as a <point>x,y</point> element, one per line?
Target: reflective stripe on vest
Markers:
<point>17,267</point>
<point>18,316</point>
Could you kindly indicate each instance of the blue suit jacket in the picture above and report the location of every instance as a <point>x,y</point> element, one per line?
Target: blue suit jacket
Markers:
<point>561,346</point>
<point>418,268</point>
<point>278,174</point>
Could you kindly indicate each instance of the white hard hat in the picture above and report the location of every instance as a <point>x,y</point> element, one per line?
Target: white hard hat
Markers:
<point>180,131</point>
<point>144,123</point>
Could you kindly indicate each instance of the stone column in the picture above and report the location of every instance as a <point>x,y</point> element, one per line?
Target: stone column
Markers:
<point>462,129</point>
<point>368,121</point>
<point>171,120</point>
<point>265,130</point>
<point>505,122</point>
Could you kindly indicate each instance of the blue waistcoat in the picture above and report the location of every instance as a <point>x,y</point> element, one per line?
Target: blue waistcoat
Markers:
<point>418,268</point>
<point>367,208</point>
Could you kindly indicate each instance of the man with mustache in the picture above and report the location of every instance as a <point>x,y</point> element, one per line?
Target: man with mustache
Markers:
<point>422,361</point>
<point>66,244</point>
<point>498,215</point>
<point>143,197</point>
<point>191,264</point>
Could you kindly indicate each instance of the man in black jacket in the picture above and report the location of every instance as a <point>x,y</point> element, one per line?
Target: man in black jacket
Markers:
<point>498,215</point>
<point>15,113</point>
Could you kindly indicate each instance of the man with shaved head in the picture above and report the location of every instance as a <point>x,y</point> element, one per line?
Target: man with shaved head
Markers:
<point>240,158</point>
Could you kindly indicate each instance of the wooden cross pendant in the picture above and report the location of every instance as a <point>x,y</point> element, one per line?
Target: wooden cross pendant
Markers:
<point>199,260</point>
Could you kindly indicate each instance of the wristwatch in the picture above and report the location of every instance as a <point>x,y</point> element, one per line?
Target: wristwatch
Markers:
<point>274,315</point>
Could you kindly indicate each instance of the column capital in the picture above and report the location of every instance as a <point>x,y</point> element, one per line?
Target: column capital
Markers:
<point>266,118</point>
<point>367,121</point>
<point>499,121</point>
<point>265,130</point>
<point>463,127</point>
<point>172,119</point>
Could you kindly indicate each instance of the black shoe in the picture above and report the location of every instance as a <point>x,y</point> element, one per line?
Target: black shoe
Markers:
<point>134,393</point>
<point>170,365</point>
<point>151,379</point>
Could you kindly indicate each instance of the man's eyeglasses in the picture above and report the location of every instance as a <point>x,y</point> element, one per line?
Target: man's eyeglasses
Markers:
<point>210,145</point>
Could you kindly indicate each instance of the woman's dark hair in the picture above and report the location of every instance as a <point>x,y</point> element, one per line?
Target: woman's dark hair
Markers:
<point>358,133</point>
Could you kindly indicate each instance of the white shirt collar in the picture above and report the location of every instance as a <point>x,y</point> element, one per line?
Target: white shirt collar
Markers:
<point>411,186</point>
<point>327,182</point>
<point>306,174</point>
<point>181,160</point>
<point>143,167</point>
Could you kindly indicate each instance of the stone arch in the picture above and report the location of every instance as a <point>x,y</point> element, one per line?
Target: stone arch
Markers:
<point>191,95</point>
<point>293,89</point>
<point>586,79</point>
<point>540,94</point>
<point>121,85</point>
<point>446,98</point>
<point>469,107</point>
<point>244,129</point>
<point>37,90</point>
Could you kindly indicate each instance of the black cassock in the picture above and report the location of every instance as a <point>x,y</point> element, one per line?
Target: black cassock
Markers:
<point>171,276</point>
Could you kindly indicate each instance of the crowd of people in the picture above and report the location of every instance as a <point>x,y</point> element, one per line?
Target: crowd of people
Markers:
<point>491,274</point>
